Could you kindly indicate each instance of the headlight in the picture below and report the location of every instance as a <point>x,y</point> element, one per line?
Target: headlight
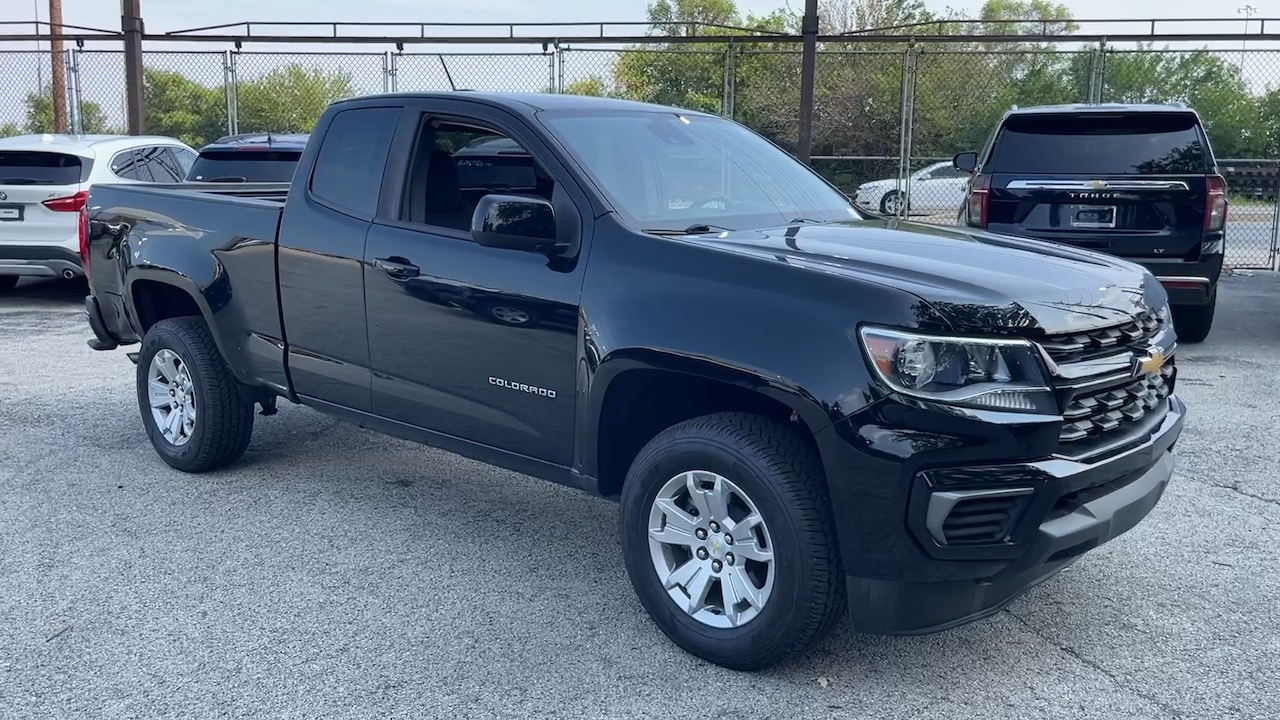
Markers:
<point>970,372</point>
<point>1163,314</point>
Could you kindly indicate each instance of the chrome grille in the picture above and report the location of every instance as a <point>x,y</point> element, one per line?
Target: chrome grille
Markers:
<point>1091,344</point>
<point>1100,411</point>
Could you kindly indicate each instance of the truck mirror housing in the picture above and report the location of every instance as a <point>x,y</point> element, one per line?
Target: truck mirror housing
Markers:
<point>965,162</point>
<point>514,222</point>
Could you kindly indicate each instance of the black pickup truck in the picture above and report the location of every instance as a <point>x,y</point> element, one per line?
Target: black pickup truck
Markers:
<point>800,410</point>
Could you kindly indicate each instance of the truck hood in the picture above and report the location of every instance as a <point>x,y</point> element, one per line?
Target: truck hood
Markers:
<point>977,281</point>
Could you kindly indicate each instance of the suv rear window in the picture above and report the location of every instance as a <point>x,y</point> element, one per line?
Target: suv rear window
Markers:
<point>245,166</point>
<point>29,167</point>
<point>1100,143</point>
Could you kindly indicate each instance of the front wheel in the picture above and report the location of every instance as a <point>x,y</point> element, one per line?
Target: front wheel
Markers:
<point>891,203</point>
<point>728,540</point>
<point>199,418</point>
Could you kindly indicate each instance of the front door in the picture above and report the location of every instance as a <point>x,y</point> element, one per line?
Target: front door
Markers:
<point>474,342</point>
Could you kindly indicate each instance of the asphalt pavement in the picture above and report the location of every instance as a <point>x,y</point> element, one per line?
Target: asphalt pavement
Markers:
<point>339,573</point>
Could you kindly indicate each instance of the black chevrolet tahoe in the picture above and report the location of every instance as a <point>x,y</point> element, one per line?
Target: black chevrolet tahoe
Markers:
<point>1136,181</point>
<point>800,410</point>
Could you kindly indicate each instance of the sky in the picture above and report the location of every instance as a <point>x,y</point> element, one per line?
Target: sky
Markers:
<point>102,74</point>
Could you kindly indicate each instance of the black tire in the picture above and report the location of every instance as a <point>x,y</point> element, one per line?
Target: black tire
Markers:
<point>884,202</point>
<point>783,476</point>
<point>1193,322</point>
<point>8,282</point>
<point>224,419</point>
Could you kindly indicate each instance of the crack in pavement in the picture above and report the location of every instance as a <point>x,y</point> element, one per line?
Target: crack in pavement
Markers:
<point>1170,712</point>
<point>1236,489</point>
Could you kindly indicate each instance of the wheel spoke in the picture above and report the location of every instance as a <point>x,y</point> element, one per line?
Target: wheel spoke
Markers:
<point>745,543</point>
<point>167,366</point>
<point>158,393</point>
<point>678,525</point>
<point>697,587</point>
<point>735,586</point>
<point>173,423</point>
<point>712,504</point>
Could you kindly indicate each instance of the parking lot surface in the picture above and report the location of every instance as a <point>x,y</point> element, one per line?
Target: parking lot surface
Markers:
<point>339,573</point>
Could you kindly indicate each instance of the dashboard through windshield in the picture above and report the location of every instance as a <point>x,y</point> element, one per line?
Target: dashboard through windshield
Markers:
<point>668,171</point>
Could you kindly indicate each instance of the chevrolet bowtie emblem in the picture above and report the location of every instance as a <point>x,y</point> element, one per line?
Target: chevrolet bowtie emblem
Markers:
<point>1150,363</point>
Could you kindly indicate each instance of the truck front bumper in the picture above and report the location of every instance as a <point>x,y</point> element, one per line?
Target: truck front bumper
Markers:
<point>910,566</point>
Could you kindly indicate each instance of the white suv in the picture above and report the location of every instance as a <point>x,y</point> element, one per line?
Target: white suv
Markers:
<point>43,183</point>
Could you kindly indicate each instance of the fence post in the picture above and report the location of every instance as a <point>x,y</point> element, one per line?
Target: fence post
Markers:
<point>551,69</point>
<point>1096,68</point>
<point>73,91</point>
<point>386,71</point>
<point>808,67</point>
<point>908,127</point>
<point>559,62</point>
<point>229,89</point>
<point>395,69</point>
<point>727,98</point>
<point>1275,227</point>
<point>132,26</point>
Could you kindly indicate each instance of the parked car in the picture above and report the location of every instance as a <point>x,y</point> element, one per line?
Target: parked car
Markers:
<point>937,188</point>
<point>43,182</point>
<point>1136,181</point>
<point>253,158</point>
<point>800,409</point>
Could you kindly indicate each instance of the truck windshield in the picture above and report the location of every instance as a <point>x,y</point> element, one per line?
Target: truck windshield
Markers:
<point>669,172</point>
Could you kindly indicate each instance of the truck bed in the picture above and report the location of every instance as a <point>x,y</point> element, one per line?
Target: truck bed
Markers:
<point>231,270</point>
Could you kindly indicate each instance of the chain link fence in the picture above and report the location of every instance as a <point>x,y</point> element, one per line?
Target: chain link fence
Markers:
<point>886,119</point>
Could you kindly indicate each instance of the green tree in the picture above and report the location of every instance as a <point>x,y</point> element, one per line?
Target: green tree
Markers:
<point>1203,80</point>
<point>39,116</point>
<point>593,85</point>
<point>180,107</point>
<point>690,76</point>
<point>289,99</point>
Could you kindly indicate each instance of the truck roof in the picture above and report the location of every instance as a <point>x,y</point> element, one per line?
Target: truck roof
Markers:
<point>82,145</point>
<point>1098,108</point>
<point>528,102</point>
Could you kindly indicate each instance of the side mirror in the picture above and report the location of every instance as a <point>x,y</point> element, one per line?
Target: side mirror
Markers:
<point>965,162</point>
<point>514,222</point>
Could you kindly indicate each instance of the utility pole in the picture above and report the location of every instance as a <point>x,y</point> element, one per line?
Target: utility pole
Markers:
<point>58,57</point>
<point>131,24</point>
<point>808,61</point>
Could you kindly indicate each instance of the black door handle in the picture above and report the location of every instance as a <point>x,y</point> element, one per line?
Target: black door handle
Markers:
<point>397,267</point>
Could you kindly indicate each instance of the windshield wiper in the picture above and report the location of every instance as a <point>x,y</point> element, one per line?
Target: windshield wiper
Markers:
<point>806,221</point>
<point>697,229</point>
<point>228,178</point>
<point>19,181</point>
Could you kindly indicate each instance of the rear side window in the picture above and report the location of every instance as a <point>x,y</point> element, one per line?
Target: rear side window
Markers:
<point>353,154</point>
<point>249,165</point>
<point>18,167</point>
<point>1100,143</point>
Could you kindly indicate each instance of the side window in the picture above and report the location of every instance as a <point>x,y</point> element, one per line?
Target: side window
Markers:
<point>130,165</point>
<point>185,159</point>
<point>162,165</point>
<point>349,166</point>
<point>456,165</point>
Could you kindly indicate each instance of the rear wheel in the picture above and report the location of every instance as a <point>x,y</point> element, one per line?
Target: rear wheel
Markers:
<point>199,418</point>
<point>1193,322</point>
<point>8,282</point>
<point>729,542</point>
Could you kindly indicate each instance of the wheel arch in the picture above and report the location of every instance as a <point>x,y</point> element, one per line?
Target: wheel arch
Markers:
<point>636,393</point>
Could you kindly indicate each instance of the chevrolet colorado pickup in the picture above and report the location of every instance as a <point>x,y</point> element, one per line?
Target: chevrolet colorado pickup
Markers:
<point>801,411</point>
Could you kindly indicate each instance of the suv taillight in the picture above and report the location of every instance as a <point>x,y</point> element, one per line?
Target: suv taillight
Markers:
<point>83,231</point>
<point>978,200</point>
<point>70,203</point>
<point>1215,203</point>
